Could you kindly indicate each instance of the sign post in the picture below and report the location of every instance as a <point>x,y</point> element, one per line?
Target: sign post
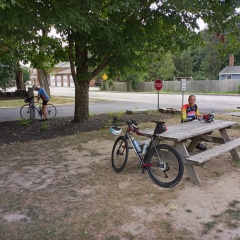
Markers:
<point>183,88</point>
<point>158,87</point>
<point>105,77</point>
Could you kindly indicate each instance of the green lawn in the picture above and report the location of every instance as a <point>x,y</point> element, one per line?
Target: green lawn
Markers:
<point>53,100</point>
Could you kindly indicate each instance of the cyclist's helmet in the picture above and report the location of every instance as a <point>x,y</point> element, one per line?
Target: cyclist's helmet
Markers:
<point>115,130</point>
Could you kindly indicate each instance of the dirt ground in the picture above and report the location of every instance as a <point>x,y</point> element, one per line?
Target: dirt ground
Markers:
<point>20,131</point>
<point>56,182</point>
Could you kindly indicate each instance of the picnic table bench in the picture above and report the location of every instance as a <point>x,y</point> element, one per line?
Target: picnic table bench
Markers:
<point>196,131</point>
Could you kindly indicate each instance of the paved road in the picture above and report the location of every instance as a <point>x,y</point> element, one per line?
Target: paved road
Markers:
<point>218,103</point>
<point>104,102</point>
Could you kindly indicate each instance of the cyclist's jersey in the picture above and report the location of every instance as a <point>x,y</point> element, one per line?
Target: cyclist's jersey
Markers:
<point>189,113</point>
<point>42,94</point>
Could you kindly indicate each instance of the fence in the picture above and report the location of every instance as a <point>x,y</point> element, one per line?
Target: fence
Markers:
<point>230,86</point>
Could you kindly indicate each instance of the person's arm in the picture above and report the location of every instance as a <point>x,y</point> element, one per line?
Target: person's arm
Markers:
<point>184,113</point>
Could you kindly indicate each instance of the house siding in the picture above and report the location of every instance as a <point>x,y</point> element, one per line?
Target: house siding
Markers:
<point>233,76</point>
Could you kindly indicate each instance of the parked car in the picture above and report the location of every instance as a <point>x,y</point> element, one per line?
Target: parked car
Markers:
<point>98,83</point>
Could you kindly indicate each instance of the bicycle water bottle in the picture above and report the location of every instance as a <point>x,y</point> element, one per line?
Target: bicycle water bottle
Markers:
<point>145,147</point>
<point>137,146</point>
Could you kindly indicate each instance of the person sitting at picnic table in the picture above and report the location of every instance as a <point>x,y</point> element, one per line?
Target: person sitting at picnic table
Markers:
<point>190,112</point>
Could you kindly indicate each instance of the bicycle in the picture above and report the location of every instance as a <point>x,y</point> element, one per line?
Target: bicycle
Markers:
<point>162,162</point>
<point>29,110</point>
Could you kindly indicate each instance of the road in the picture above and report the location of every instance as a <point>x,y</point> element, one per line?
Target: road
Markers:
<point>218,103</point>
<point>105,102</point>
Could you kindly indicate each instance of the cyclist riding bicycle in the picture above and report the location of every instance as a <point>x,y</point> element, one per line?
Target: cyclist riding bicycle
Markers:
<point>45,98</point>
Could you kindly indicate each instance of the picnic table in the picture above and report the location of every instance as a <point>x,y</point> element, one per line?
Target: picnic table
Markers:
<point>201,131</point>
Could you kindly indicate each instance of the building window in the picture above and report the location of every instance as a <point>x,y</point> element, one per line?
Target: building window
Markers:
<point>229,77</point>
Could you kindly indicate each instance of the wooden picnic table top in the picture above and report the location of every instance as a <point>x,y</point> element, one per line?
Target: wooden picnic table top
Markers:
<point>183,131</point>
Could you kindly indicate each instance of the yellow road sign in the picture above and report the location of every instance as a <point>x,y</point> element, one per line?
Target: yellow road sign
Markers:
<point>105,77</point>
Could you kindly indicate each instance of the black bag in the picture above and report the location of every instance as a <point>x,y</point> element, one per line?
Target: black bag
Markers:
<point>160,128</point>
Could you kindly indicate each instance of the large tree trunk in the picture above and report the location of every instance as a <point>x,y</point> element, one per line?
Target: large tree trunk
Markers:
<point>19,77</point>
<point>81,112</point>
<point>81,76</point>
<point>43,78</point>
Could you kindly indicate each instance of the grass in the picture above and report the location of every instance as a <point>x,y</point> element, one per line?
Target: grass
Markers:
<point>54,100</point>
<point>24,122</point>
<point>230,218</point>
<point>45,126</point>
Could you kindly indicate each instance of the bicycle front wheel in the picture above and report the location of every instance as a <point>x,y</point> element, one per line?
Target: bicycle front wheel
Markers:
<point>165,166</point>
<point>51,111</point>
<point>120,154</point>
<point>25,112</point>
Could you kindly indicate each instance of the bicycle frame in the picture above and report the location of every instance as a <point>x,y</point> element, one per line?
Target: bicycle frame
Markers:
<point>32,105</point>
<point>158,158</point>
<point>141,159</point>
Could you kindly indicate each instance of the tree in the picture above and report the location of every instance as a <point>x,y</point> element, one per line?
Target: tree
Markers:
<point>26,73</point>
<point>24,38</point>
<point>6,75</point>
<point>184,64</point>
<point>114,34</point>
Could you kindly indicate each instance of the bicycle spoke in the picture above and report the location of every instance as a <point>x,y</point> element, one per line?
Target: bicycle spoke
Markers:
<point>165,166</point>
<point>51,111</point>
<point>25,112</point>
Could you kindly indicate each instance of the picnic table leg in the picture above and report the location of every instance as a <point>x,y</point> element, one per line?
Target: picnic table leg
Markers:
<point>193,143</point>
<point>226,138</point>
<point>182,150</point>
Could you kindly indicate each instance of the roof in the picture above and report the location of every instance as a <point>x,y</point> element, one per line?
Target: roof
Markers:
<point>230,70</point>
<point>64,72</point>
<point>63,65</point>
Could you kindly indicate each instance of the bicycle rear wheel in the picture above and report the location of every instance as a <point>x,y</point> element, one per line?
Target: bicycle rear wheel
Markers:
<point>165,166</point>
<point>51,111</point>
<point>25,112</point>
<point>120,154</point>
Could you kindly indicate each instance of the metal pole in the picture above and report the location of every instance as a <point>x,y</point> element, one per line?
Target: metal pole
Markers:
<point>182,98</point>
<point>32,111</point>
<point>158,100</point>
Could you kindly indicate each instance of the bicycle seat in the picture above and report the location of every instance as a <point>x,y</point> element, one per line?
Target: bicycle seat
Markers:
<point>161,122</point>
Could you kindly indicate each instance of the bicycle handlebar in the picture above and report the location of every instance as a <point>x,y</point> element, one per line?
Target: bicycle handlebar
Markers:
<point>129,122</point>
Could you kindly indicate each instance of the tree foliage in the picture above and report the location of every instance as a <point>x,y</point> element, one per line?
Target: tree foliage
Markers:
<point>106,34</point>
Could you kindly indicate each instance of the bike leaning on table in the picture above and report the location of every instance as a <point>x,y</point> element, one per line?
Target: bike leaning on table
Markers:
<point>163,163</point>
<point>32,111</point>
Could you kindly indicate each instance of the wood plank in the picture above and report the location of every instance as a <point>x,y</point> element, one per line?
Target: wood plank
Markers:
<point>182,131</point>
<point>213,152</point>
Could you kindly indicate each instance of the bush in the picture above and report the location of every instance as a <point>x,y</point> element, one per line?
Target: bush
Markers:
<point>238,89</point>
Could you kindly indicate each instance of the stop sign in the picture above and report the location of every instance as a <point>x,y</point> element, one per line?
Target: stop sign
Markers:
<point>158,84</point>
